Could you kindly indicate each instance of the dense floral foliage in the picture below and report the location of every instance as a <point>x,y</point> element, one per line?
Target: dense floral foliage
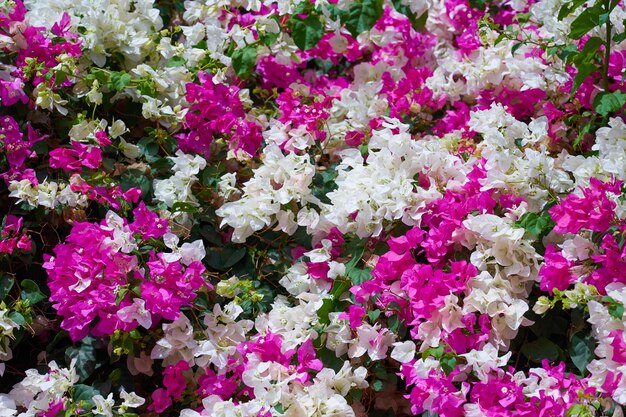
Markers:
<point>312,208</point>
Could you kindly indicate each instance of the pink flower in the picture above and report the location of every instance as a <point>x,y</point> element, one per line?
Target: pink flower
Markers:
<point>555,272</point>
<point>174,380</point>
<point>593,211</point>
<point>161,401</point>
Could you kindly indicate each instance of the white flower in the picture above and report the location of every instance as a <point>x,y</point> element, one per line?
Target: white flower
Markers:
<point>7,406</point>
<point>131,400</point>
<point>103,406</point>
<point>187,253</point>
<point>188,165</point>
<point>403,352</point>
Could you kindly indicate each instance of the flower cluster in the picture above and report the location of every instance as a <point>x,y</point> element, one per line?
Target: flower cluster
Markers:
<point>295,208</point>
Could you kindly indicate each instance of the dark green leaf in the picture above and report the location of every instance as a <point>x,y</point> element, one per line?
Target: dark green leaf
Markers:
<point>584,70</point>
<point>515,47</point>
<point>540,349</point>
<point>85,355</point>
<point>589,51</point>
<point>222,259</point>
<point>569,7</point>
<point>326,308</point>
<point>393,323</point>
<point>184,207</point>
<point>85,393</point>
<point>244,60</point>
<point>581,134</point>
<point>363,15</point>
<point>448,364</point>
<point>536,224</point>
<point>478,4</point>
<point>619,37</point>
<point>306,33</point>
<point>31,291</point>
<point>606,103</point>
<point>6,283</point>
<point>587,20</point>
<point>268,38</point>
<point>581,350</point>
<point>18,318</point>
<point>134,178</point>
<point>616,310</point>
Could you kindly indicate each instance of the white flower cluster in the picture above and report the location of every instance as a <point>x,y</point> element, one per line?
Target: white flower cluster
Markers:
<point>49,194</point>
<point>509,265</point>
<point>492,65</point>
<point>277,389</point>
<point>177,188</point>
<point>526,172</point>
<point>383,188</point>
<point>610,367</point>
<point>611,159</point>
<point>111,26</point>
<point>281,180</point>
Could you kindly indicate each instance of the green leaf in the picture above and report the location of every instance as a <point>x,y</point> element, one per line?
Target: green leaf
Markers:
<point>363,15</point>
<point>306,33</point>
<point>184,207</point>
<point>85,355</point>
<point>268,38</point>
<point>580,410</point>
<point>515,47</point>
<point>327,307</point>
<point>373,315</point>
<point>478,4</point>
<point>223,259</point>
<point>540,349</point>
<point>589,51</point>
<point>584,70</point>
<point>6,283</point>
<point>435,352</point>
<point>568,8</point>
<point>393,323</point>
<point>448,364</point>
<point>606,103</point>
<point>616,310</point>
<point>581,350</point>
<point>175,61</point>
<point>119,80</point>
<point>377,385</point>
<point>619,37</point>
<point>536,224</point>
<point>31,291</point>
<point>358,275</point>
<point>244,60</point>
<point>84,393</point>
<point>18,318</point>
<point>134,178</point>
<point>587,20</point>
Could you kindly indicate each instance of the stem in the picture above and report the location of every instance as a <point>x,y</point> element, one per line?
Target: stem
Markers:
<point>607,50</point>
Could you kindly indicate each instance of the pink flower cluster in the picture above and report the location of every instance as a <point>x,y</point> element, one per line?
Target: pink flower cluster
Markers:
<point>99,283</point>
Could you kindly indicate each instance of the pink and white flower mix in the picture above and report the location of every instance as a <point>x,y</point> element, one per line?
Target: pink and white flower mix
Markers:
<point>312,208</point>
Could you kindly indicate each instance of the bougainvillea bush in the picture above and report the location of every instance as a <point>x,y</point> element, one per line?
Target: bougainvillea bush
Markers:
<point>312,208</point>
